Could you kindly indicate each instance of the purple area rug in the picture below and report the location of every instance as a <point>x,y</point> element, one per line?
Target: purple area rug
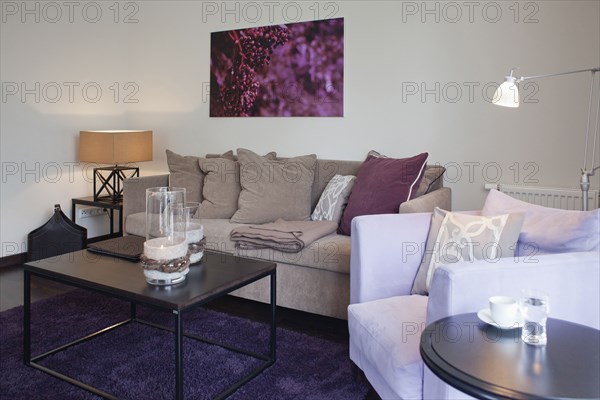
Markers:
<point>136,361</point>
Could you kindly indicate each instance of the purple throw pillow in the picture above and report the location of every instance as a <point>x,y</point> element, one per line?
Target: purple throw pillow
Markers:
<point>382,184</point>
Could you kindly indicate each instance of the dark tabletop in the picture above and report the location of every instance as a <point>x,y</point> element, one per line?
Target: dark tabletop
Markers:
<point>217,274</point>
<point>490,363</point>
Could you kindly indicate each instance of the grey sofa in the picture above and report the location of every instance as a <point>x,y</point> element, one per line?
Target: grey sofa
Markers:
<point>316,279</point>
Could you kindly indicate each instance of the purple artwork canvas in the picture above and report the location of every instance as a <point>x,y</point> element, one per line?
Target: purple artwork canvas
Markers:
<point>291,70</point>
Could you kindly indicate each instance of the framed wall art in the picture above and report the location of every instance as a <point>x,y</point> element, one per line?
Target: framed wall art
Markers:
<point>291,70</point>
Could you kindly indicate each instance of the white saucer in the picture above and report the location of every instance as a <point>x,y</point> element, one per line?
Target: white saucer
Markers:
<point>486,316</point>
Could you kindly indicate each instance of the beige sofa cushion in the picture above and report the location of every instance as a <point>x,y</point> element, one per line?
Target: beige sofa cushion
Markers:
<point>136,224</point>
<point>331,252</point>
<point>327,169</point>
<point>185,172</point>
<point>432,179</point>
<point>222,187</point>
<point>273,189</point>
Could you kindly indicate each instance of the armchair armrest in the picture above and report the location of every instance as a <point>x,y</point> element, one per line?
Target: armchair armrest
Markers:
<point>385,253</point>
<point>441,198</point>
<point>570,279</point>
<point>134,192</point>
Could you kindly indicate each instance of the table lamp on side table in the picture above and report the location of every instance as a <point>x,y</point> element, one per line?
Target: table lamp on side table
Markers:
<point>114,147</point>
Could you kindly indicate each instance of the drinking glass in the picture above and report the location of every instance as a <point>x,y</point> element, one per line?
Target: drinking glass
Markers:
<point>534,307</point>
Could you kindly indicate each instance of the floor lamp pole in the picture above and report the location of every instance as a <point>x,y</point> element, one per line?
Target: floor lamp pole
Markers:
<point>584,182</point>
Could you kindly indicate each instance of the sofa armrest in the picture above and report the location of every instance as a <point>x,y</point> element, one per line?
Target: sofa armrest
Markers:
<point>441,198</point>
<point>385,253</point>
<point>134,192</point>
<point>570,279</point>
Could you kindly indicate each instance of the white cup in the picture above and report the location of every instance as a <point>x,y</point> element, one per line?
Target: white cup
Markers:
<point>504,310</point>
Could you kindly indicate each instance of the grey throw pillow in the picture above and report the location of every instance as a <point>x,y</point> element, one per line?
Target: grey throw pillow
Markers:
<point>222,187</point>
<point>185,172</point>
<point>455,237</point>
<point>333,199</point>
<point>273,189</point>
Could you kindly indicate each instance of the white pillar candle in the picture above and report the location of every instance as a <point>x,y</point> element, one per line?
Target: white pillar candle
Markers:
<point>161,249</point>
<point>165,276</point>
<point>194,233</point>
<point>194,258</point>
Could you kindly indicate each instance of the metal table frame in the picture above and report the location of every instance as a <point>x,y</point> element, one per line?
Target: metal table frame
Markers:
<point>178,335</point>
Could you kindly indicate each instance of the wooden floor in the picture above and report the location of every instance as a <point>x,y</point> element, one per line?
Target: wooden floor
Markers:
<point>11,288</point>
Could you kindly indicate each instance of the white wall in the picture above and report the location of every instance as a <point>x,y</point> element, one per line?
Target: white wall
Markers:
<point>388,49</point>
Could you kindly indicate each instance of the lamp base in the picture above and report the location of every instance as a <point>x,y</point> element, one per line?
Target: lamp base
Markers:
<point>108,182</point>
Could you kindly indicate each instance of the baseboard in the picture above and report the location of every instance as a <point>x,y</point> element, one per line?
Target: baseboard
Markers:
<point>14,260</point>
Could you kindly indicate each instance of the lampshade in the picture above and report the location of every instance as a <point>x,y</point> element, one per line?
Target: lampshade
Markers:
<point>115,147</point>
<point>507,94</point>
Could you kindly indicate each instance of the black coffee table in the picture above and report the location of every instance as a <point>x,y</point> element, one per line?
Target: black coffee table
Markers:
<point>490,363</point>
<point>216,276</point>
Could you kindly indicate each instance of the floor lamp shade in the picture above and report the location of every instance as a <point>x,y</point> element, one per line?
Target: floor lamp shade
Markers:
<point>114,148</point>
<point>507,94</point>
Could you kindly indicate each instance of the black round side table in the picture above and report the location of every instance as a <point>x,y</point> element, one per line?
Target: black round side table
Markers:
<point>490,363</point>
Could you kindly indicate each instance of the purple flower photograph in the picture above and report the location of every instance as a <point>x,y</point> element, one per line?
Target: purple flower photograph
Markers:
<point>291,70</point>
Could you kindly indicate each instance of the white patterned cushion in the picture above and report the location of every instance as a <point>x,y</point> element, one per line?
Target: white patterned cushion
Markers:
<point>333,199</point>
<point>455,237</point>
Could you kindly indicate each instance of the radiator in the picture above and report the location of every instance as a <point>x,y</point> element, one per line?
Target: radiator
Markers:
<point>566,199</point>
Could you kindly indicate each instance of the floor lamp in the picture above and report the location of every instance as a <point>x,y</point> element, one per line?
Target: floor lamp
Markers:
<point>507,95</point>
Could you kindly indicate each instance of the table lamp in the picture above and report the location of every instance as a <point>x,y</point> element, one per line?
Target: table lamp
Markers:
<point>114,147</point>
<point>507,95</point>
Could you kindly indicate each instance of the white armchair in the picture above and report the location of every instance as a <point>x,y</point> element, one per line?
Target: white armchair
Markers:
<point>385,321</point>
